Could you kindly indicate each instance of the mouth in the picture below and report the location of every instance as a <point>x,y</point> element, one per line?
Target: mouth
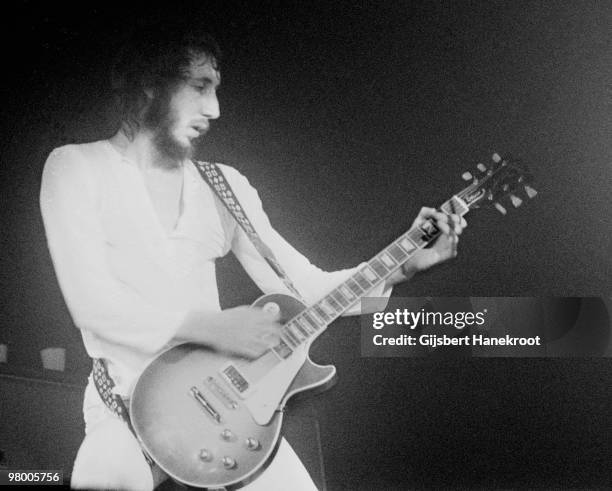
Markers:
<point>201,128</point>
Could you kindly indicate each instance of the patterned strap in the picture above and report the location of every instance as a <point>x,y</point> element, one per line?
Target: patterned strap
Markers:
<point>104,384</point>
<point>211,173</point>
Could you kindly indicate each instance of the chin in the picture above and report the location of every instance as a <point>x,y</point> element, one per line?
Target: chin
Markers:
<point>176,150</point>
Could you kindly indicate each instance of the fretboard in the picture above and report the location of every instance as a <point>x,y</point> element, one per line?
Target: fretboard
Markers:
<point>315,319</point>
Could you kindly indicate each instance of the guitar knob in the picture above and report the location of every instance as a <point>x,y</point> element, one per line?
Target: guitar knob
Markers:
<point>228,462</point>
<point>516,201</point>
<point>500,208</point>
<point>227,435</point>
<point>466,176</point>
<point>481,167</point>
<point>253,443</point>
<point>530,191</point>
<point>205,455</point>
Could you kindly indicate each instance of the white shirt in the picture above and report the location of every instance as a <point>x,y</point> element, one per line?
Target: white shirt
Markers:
<point>128,283</point>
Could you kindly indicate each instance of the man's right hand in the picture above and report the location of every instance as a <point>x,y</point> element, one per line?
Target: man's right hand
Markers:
<point>243,331</point>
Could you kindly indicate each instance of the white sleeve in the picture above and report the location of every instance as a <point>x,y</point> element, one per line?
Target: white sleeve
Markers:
<point>312,282</point>
<point>97,301</point>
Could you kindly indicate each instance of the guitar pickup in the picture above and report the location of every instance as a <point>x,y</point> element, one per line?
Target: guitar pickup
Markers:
<point>221,393</point>
<point>235,378</point>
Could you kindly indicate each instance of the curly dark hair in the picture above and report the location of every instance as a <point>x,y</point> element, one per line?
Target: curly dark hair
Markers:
<point>155,58</point>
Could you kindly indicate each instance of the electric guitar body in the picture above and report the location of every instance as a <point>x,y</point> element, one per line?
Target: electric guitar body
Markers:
<point>190,414</point>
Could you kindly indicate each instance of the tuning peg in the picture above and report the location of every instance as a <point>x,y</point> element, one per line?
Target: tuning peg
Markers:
<point>466,176</point>
<point>481,167</point>
<point>530,192</point>
<point>500,208</point>
<point>516,201</point>
<point>496,158</point>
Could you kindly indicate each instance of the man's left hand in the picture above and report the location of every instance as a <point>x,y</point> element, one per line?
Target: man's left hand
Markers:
<point>444,247</point>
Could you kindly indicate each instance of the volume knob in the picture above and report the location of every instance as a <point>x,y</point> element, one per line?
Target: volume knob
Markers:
<point>205,455</point>
<point>228,462</point>
<point>253,443</point>
<point>227,435</point>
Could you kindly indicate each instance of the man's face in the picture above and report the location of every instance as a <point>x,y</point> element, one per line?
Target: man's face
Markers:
<point>179,117</point>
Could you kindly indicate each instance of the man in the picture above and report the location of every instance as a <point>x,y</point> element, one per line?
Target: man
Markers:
<point>134,233</point>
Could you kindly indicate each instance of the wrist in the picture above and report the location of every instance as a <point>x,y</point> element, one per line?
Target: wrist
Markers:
<point>404,273</point>
<point>409,269</point>
<point>196,327</point>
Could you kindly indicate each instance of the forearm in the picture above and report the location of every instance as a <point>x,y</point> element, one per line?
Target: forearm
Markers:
<point>241,330</point>
<point>195,328</point>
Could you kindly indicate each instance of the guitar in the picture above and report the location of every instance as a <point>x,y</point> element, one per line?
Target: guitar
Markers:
<point>212,420</point>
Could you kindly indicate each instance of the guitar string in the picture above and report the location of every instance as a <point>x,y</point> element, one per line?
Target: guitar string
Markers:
<point>307,336</point>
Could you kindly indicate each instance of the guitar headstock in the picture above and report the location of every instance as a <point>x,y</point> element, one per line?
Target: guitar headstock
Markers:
<point>503,180</point>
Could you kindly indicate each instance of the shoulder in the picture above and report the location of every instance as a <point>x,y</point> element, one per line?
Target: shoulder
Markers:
<point>92,150</point>
<point>74,164</point>
<point>243,189</point>
<point>235,177</point>
<point>75,155</point>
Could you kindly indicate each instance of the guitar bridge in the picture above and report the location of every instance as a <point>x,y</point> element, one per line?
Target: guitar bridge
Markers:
<point>198,396</point>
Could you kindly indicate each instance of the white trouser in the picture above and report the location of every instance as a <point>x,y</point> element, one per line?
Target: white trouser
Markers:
<point>110,457</point>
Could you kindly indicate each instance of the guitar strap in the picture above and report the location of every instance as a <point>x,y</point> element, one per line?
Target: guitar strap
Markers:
<point>212,174</point>
<point>104,384</point>
<point>214,177</point>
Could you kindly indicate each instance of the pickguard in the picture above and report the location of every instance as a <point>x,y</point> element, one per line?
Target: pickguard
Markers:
<point>269,392</point>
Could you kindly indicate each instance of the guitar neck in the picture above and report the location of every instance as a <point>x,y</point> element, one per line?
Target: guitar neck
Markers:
<point>315,319</point>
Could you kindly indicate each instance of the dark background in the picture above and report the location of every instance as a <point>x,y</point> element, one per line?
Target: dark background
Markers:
<point>348,117</point>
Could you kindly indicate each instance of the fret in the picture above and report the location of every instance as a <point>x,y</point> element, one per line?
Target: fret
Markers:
<point>417,237</point>
<point>321,322</point>
<point>282,350</point>
<point>378,267</point>
<point>288,340</point>
<point>408,245</point>
<point>362,282</point>
<point>310,322</point>
<point>369,273</point>
<point>430,229</point>
<point>340,298</point>
<point>355,288</point>
<point>455,205</point>
<point>293,329</point>
<point>304,326</point>
<point>396,252</point>
<point>387,260</point>
<point>335,305</point>
<point>329,310</point>
<point>293,341</point>
<point>301,328</point>
<point>346,292</point>
<point>320,312</point>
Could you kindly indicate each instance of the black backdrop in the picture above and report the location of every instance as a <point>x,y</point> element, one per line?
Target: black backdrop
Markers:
<point>348,117</point>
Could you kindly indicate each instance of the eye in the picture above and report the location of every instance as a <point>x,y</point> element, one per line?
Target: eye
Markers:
<point>203,87</point>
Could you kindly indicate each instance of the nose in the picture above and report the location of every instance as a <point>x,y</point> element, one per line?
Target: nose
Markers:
<point>210,106</point>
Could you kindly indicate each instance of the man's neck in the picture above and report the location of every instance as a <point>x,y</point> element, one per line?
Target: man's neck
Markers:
<point>142,150</point>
